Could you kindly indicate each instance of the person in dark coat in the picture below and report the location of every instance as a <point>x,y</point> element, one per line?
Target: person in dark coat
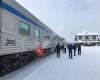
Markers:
<point>74,48</point>
<point>58,48</point>
<point>79,49</point>
<point>63,49</point>
<point>70,47</point>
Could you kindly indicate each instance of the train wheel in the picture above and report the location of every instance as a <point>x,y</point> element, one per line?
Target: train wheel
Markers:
<point>7,66</point>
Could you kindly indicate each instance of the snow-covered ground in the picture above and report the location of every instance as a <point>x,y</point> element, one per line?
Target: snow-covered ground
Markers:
<point>83,67</point>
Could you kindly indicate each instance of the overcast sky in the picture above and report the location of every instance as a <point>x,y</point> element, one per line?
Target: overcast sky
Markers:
<point>66,17</point>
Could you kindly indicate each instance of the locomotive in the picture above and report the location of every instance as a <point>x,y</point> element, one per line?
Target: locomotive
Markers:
<point>22,37</point>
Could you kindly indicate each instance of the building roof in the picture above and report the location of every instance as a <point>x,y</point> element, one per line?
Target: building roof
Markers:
<point>80,41</point>
<point>87,33</point>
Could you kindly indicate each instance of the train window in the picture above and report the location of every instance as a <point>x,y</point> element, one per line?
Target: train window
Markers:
<point>49,37</point>
<point>24,28</point>
<point>53,39</point>
<point>45,37</point>
<point>0,3</point>
<point>37,33</point>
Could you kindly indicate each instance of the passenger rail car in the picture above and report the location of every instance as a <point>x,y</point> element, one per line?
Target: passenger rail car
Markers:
<point>22,37</point>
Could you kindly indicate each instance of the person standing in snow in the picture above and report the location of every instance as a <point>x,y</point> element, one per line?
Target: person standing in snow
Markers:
<point>58,48</point>
<point>74,48</point>
<point>70,47</point>
<point>79,49</point>
<point>63,49</point>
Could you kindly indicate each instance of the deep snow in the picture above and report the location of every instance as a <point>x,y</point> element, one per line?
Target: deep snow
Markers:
<point>83,67</point>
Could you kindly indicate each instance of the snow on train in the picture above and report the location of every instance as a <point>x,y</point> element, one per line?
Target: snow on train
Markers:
<point>22,36</point>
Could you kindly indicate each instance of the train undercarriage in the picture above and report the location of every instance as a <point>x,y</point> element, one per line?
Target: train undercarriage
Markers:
<point>9,63</point>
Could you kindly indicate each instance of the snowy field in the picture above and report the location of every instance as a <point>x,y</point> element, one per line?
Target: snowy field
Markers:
<point>83,67</point>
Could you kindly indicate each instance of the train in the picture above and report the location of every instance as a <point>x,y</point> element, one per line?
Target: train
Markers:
<point>23,37</point>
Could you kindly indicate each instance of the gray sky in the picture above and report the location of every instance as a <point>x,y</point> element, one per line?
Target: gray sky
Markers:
<point>66,17</point>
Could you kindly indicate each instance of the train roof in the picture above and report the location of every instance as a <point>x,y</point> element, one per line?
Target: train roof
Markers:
<point>87,33</point>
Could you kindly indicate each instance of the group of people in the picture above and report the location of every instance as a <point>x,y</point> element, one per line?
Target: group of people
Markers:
<point>74,47</point>
<point>71,48</point>
<point>59,48</point>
